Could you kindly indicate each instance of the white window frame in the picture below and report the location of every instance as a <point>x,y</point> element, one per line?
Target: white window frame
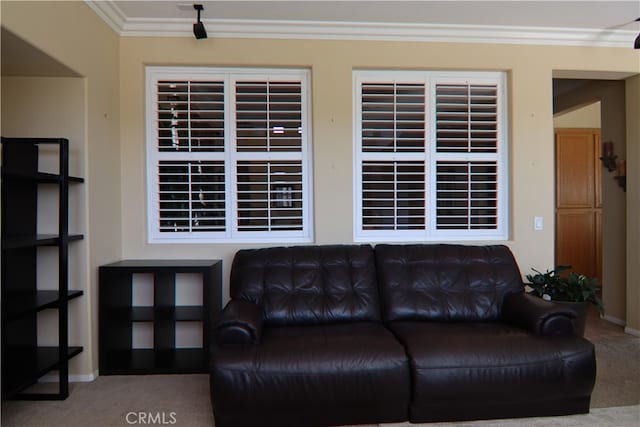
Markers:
<point>430,156</point>
<point>230,155</point>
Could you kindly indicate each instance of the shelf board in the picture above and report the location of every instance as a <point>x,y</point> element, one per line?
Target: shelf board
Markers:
<point>180,314</point>
<point>38,177</point>
<point>141,314</point>
<point>17,242</point>
<point>23,366</point>
<point>163,265</point>
<point>17,304</point>
<point>194,313</point>
<point>151,361</point>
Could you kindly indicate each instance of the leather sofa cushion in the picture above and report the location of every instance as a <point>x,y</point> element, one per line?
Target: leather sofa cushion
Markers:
<point>308,284</point>
<point>492,363</point>
<point>445,282</point>
<point>354,372</point>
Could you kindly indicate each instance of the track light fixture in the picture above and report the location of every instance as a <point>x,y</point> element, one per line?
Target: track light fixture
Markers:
<point>636,44</point>
<point>198,28</point>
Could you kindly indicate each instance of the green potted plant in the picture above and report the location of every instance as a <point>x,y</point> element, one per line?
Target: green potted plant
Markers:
<point>574,289</point>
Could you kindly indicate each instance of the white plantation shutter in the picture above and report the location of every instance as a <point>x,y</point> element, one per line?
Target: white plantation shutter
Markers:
<point>466,118</point>
<point>192,196</point>
<point>467,129</point>
<point>228,155</point>
<point>430,156</point>
<point>393,196</point>
<point>269,116</point>
<point>392,155</point>
<point>190,116</point>
<point>269,127</point>
<point>393,117</point>
<point>467,195</point>
<point>270,195</point>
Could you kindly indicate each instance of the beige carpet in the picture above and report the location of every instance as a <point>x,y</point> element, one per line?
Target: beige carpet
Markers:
<point>183,400</point>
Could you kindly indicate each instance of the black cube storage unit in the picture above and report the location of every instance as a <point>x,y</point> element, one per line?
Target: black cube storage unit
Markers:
<point>24,362</point>
<point>118,314</point>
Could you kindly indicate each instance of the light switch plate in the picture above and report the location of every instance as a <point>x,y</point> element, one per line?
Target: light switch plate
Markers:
<point>538,223</point>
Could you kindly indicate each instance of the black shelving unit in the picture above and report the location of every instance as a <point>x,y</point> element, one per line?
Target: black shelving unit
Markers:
<point>118,314</point>
<point>23,361</point>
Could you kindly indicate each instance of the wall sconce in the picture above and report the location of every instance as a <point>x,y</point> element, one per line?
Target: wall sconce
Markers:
<point>610,161</point>
<point>621,176</point>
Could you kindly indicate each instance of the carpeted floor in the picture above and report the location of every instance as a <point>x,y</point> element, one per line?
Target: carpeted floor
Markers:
<point>183,400</point>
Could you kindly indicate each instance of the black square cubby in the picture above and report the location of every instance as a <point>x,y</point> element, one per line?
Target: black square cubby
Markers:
<point>156,315</point>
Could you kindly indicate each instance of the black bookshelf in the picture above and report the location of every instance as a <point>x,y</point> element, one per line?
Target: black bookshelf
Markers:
<point>23,361</point>
<point>118,316</point>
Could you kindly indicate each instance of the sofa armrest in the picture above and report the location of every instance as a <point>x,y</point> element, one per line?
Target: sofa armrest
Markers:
<point>537,315</point>
<point>240,322</point>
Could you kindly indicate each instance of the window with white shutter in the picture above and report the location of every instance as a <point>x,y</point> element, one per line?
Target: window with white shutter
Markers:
<point>228,155</point>
<point>431,156</point>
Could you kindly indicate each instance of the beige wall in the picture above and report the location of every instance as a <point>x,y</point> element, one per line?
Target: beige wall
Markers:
<point>584,117</point>
<point>72,34</point>
<point>633,205</point>
<point>530,71</point>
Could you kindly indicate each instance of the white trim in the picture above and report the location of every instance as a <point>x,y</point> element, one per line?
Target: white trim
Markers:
<point>384,31</point>
<point>632,331</point>
<point>620,322</point>
<point>614,320</point>
<point>79,378</point>
<point>110,13</point>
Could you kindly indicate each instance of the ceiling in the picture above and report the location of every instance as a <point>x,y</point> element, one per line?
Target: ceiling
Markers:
<point>590,23</point>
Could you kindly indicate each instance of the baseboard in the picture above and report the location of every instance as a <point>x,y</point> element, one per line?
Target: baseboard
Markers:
<point>627,330</point>
<point>82,378</point>
<point>614,320</point>
<point>631,331</point>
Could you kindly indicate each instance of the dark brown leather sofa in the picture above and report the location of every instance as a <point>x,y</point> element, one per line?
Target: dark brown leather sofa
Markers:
<point>334,335</point>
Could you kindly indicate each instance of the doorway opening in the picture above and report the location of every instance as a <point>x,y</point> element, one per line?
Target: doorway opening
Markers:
<point>590,205</point>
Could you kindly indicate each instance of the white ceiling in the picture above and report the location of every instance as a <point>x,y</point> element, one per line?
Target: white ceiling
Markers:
<point>595,23</point>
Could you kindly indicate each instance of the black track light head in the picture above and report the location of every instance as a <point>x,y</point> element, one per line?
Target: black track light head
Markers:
<point>198,28</point>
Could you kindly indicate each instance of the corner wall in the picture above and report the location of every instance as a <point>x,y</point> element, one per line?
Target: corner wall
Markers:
<point>72,34</point>
<point>633,205</point>
<point>611,95</point>
<point>51,107</point>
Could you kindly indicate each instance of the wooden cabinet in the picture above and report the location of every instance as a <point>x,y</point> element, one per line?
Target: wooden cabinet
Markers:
<point>161,315</point>
<point>579,200</point>
<point>24,360</point>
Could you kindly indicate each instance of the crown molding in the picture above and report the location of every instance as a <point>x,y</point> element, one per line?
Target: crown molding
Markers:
<point>110,13</point>
<point>290,29</point>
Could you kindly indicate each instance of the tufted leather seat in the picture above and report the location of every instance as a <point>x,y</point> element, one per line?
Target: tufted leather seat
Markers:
<point>313,375</point>
<point>333,335</point>
<point>481,370</point>
<point>446,304</point>
<point>323,357</point>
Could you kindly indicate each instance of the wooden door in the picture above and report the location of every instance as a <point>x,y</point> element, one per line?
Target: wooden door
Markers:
<point>578,200</point>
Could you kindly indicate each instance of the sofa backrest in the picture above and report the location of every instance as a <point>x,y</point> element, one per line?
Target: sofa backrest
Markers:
<point>445,282</point>
<point>308,284</point>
